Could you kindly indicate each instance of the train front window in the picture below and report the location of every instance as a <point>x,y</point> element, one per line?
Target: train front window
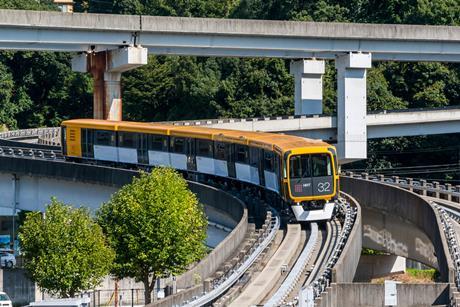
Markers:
<point>315,165</point>
<point>321,165</point>
<point>300,166</point>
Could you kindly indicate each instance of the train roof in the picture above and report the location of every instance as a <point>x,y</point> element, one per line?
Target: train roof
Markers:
<point>265,140</point>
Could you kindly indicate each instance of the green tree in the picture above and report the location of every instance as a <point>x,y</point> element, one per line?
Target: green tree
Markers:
<point>65,251</point>
<point>156,226</point>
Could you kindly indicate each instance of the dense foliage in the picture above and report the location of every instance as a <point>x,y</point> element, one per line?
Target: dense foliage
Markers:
<point>40,89</point>
<point>65,251</point>
<point>156,226</point>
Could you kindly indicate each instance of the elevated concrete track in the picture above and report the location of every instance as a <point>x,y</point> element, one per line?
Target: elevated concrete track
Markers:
<point>29,30</point>
<point>379,124</point>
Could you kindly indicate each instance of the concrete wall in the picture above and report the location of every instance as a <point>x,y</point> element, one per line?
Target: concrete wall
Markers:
<point>236,210</point>
<point>374,266</point>
<point>35,192</point>
<point>370,295</point>
<point>408,207</point>
<point>345,268</point>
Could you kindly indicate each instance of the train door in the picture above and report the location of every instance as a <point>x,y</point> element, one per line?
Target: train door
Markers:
<point>254,165</point>
<point>261,167</point>
<point>191,153</point>
<point>143,149</point>
<point>231,160</point>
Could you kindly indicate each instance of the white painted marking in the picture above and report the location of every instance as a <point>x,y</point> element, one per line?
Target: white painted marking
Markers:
<point>254,175</point>
<point>220,168</point>
<point>205,165</point>
<point>179,161</point>
<point>271,181</point>
<point>106,153</point>
<point>159,158</point>
<point>242,172</point>
<point>127,155</point>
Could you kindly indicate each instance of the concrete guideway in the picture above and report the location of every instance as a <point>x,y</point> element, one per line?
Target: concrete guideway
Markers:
<point>225,37</point>
<point>261,285</point>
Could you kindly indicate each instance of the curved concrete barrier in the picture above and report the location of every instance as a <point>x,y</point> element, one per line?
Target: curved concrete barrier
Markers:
<point>345,268</point>
<point>404,219</point>
<point>235,208</point>
<point>68,174</point>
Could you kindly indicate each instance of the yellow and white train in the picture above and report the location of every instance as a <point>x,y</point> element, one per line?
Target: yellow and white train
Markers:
<point>303,172</point>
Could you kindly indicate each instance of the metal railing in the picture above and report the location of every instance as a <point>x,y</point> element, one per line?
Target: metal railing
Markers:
<point>294,275</point>
<point>225,282</point>
<point>319,285</point>
<point>435,189</point>
<point>30,153</point>
<point>46,134</point>
<point>445,215</point>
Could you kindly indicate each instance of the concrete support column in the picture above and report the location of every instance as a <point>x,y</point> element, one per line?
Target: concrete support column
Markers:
<point>351,105</point>
<point>423,183</point>
<point>106,68</point>
<point>449,189</point>
<point>308,80</point>
<point>410,182</point>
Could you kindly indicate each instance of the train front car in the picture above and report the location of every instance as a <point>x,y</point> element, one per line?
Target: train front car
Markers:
<point>312,181</point>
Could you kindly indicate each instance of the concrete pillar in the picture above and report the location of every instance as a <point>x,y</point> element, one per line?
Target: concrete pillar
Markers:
<point>423,183</point>
<point>410,182</point>
<point>106,68</point>
<point>449,190</point>
<point>436,187</point>
<point>308,80</point>
<point>351,105</point>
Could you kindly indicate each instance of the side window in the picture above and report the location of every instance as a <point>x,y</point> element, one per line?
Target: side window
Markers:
<point>178,145</point>
<point>128,139</point>
<point>269,164</point>
<point>158,143</point>
<point>204,148</point>
<point>220,151</point>
<point>241,154</point>
<point>104,138</point>
<point>254,159</point>
<point>334,155</point>
<point>87,141</point>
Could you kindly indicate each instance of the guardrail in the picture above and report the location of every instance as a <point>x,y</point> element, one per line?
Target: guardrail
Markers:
<point>309,294</point>
<point>294,275</point>
<point>30,153</point>
<point>46,136</point>
<point>451,239</point>
<point>423,187</point>
<point>223,284</point>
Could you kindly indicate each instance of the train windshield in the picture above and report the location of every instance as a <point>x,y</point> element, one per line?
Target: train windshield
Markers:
<point>306,166</point>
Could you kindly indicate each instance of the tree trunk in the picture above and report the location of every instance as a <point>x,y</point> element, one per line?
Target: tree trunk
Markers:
<point>147,290</point>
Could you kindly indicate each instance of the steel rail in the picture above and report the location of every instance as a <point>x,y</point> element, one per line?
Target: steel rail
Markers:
<point>233,278</point>
<point>288,284</point>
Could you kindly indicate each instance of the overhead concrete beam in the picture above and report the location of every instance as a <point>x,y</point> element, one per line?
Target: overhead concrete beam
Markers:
<point>31,30</point>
